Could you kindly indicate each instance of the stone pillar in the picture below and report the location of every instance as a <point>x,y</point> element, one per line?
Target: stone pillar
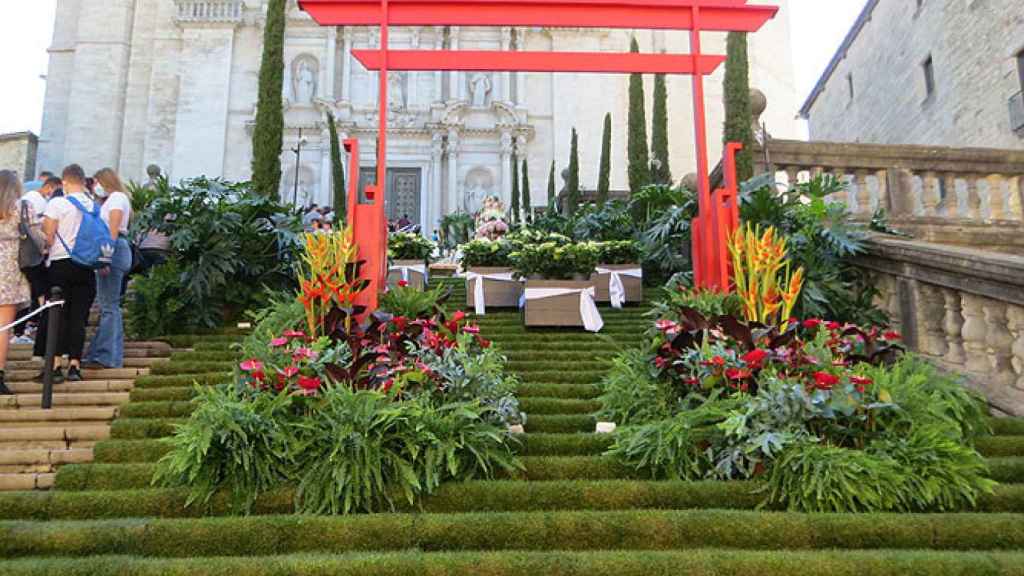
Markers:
<point>504,171</point>
<point>329,65</point>
<point>996,202</point>
<point>900,187</point>
<point>1015,315</point>
<point>930,319</point>
<point>506,77</point>
<point>974,334</point>
<point>346,66</point>
<point>326,183</point>
<point>452,151</point>
<point>792,175</point>
<point>952,325</point>
<point>438,203</point>
<point>456,87</point>
<point>999,344</point>
<point>930,198</point>
<point>1015,202</point>
<point>973,197</point>
<point>949,206</point>
<point>412,90</point>
<point>882,177</point>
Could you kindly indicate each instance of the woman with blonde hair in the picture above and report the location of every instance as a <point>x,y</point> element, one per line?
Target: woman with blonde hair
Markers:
<point>107,347</point>
<point>14,289</point>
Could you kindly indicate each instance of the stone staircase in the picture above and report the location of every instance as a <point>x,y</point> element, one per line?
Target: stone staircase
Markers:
<point>35,442</point>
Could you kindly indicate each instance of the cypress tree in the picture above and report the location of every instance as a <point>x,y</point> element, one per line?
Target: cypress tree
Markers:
<point>337,172</point>
<point>572,185</point>
<point>605,169</point>
<point>661,173</point>
<point>551,187</point>
<point>268,132</point>
<point>636,144</point>
<point>527,202</point>
<point>738,117</point>
<point>515,189</point>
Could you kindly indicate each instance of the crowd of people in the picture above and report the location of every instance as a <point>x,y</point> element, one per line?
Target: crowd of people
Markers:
<point>318,219</point>
<point>78,226</point>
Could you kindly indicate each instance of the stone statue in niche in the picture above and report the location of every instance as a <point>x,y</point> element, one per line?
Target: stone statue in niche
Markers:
<point>480,89</point>
<point>396,91</point>
<point>307,189</point>
<point>479,184</point>
<point>304,73</point>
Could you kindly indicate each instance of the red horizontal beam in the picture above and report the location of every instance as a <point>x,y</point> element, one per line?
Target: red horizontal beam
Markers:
<point>715,15</point>
<point>490,60</point>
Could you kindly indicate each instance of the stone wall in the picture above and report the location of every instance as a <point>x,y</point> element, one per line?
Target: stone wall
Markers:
<point>961,308</point>
<point>973,45</point>
<point>18,153</point>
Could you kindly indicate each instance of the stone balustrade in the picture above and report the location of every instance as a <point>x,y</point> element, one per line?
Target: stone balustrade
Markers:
<point>964,196</point>
<point>210,10</point>
<point>962,308</point>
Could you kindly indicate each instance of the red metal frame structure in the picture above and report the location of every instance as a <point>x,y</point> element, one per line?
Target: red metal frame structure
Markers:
<point>718,210</point>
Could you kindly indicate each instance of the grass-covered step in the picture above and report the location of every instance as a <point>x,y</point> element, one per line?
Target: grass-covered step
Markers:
<point>571,391</point>
<point>562,563</point>
<point>595,366</point>
<point>474,496</point>
<point>225,346</point>
<point>129,451</point>
<point>565,376</point>
<point>193,340</point>
<point>1009,470</point>
<point>205,356</point>
<point>995,446</point>
<point>139,428</point>
<point>177,368</point>
<point>560,423</point>
<point>643,530</point>
<point>540,444</point>
<point>165,409</point>
<point>565,356</point>
<point>1007,426</point>
<point>183,380</point>
<point>588,347</point>
<point>542,405</point>
<point>180,394</point>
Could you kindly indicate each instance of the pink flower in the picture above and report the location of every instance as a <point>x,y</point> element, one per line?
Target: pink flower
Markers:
<point>666,326</point>
<point>660,362</point>
<point>458,316</point>
<point>251,365</point>
<point>755,358</point>
<point>294,334</point>
<point>825,381</point>
<point>309,384</point>
<point>861,383</point>
<point>403,284</point>
<point>303,354</point>
<point>737,373</point>
<point>289,371</point>
<point>471,329</point>
<point>278,342</point>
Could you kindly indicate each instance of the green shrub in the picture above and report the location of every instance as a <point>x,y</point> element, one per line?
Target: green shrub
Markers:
<point>631,394</point>
<point>413,303</point>
<point>240,444</point>
<point>409,246</point>
<point>157,304</point>
<point>486,253</point>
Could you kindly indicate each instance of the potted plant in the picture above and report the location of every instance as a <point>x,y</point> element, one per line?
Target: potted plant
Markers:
<point>409,255</point>
<point>619,278</point>
<point>559,291</point>
<point>490,279</point>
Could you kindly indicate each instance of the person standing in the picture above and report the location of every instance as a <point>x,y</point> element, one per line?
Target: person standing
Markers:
<point>35,200</point>
<point>39,182</point>
<point>14,289</point>
<point>107,347</point>
<point>61,223</point>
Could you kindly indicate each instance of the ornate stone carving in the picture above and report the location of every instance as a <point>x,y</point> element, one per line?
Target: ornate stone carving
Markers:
<point>973,334</point>
<point>397,99</point>
<point>437,145</point>
<point>202,11</point>
<point>953,326</point>
<point>998,342</point>
<point>506,143</point>
<point>305,71</point>
<point>478,185</point>
<point>480,87</point>
<point>931,314</point>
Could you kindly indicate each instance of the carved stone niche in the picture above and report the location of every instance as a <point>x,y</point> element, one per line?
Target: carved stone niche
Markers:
<point>305,79</point>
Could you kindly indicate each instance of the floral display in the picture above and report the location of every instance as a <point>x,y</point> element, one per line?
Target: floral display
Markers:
<point>409,246</point>
<point>490,221</point>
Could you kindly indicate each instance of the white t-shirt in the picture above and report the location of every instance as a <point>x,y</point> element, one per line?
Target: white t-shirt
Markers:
<point>117,201</point>
<point>36,204</point>
<point>69,219</point>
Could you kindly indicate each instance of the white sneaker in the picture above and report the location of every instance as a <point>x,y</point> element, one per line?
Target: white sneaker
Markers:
<point>22,340</point>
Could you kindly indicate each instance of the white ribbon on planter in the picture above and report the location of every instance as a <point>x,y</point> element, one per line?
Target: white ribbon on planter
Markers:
<point>592,321</point>
<point>421,268</point>
<point>479,306</point>
<point>616,290</point>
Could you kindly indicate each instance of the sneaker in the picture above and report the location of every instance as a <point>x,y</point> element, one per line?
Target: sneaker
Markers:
<point>74,374</point>
<point>58,376</point>
<point>21,340</point>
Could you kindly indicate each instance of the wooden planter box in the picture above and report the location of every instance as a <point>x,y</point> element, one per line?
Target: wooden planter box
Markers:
<point>634,286</point>
<point>562,311</point>
<point>417,280</point>
<point>497,293</point>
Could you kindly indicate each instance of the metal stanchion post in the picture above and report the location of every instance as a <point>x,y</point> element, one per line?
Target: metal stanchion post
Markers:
<point>52,333</point>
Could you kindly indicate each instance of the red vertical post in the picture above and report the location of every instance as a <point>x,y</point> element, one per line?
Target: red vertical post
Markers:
<point>702,273</point>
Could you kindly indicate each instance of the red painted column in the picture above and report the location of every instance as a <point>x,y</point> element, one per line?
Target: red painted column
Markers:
<point>703,273</point>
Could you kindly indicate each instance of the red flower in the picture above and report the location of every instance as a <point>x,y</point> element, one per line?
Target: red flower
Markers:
<point>833,325</point>
<point>737,373</point>
<point>485,344</point>
<point>278,342</point>
<point>755,358</point>
<point>718,361</point>
<point>666,326</point>
<point>861,382</point>
<point>289,371</point>
<point>294,334</point>
<point>251,365</point>
<point>471,329</point>
<point>402,284</point>
<point>458,316</point>
<point>400,322</point>
<point>660,362</point>
<point>811,323</point>
<point>303,354</point>
<point>309,384</point>
<point>891,335</point>
<point>825,381</point>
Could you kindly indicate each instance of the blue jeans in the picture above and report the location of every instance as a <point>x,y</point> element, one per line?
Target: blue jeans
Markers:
<point>107,346</point>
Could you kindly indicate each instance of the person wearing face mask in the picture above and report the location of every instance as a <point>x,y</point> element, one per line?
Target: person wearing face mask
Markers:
<point>107,347</point>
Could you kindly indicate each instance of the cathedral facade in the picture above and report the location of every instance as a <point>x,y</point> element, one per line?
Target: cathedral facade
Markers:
<point>174,83</point>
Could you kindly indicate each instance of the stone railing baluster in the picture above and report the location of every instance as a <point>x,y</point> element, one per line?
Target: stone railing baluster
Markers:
<point>863,195</point>
<point>999,344</point>
<point>974,335</point>
<point>1015,201</point>
<point>996,197</point>
<point>1015,315</point>
<point>930,314</point>
<point>952,326</point>
<point>930,196</point>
